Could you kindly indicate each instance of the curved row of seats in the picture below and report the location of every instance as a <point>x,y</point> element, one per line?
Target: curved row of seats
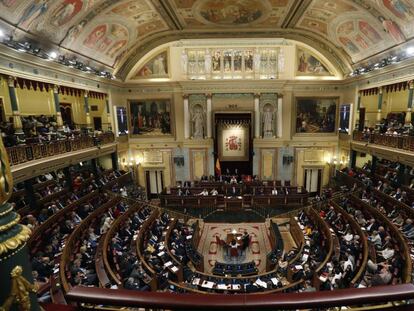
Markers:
<point>120,236</point>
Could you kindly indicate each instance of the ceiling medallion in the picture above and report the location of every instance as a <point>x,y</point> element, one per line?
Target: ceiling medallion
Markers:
<point>232,12</point>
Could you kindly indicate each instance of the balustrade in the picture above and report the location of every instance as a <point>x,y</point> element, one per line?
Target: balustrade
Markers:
<point>34,151</point>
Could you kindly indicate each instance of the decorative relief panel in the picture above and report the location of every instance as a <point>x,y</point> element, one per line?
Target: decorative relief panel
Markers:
<point>232,63</point>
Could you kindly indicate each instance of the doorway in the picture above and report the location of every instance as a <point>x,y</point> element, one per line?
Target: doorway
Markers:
<point>313,180</point>
<point>154,181</point>
<point>66,112</point>
<point>237,166</point>
<point>97,123</point>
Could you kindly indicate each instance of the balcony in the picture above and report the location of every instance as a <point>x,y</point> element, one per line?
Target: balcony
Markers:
<point>34,151</point>
<point>403,142</point>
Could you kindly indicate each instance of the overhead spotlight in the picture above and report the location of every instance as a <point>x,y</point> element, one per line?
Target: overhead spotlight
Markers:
<point>376,65</point>
<point>53,55</point>
<point>410,50</point>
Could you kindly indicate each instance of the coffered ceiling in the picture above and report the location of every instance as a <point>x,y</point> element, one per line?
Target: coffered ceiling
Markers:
<point>118,33</point>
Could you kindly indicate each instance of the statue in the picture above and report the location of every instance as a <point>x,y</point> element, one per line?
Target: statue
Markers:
<point>207,61</point>
<point>267,121</point>
<point>184,61</point>
<point>198,120</point>
<point>20,289</point>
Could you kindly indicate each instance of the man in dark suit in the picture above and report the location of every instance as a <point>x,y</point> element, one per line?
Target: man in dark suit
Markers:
<point>234,191</point>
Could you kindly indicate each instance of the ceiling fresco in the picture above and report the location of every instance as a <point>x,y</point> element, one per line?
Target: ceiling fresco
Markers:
<point>116,33</point>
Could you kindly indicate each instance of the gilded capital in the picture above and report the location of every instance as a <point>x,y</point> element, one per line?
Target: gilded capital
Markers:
<point>10,81</point>
<point>56,88</point>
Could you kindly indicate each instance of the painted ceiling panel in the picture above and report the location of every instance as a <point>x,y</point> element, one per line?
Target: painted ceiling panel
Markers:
<point>109,31</point>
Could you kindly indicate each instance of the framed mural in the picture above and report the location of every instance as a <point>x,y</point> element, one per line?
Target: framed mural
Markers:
<point>316,115</point>
<point>233,142</point>
<point>157,67</point>
<point>308,64</point>
<point>150,117</point>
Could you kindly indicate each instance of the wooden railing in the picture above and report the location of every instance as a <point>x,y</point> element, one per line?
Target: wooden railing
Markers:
<point>400,142</point>
<point>305,300</point>
<point>28,152</point>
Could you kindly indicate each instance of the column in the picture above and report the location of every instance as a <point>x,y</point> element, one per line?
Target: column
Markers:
<point>86,109</point>
<point>374,165</point>
<point>379,104</point>
<point>17,122</point>
<point>257,115</point>
<point>209,125</point>
<point>59,120</point>
<point>17,291</point>
<point>114,158</point>
<point>279,115</point>
<point>28,186</point>
<point>94,164</point>
<point>68,177</point>
<point>361,122</point>
<point>186,118</point>
<point>410,102</point>
<point>108,113</point>
<point>352,159</point>
<point>401,175</point>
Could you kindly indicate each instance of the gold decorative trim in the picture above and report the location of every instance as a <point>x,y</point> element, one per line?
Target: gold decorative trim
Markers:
<point>7,211</point>
<point>10,224</point>
<point>15,241</point>
<point>19,292</point>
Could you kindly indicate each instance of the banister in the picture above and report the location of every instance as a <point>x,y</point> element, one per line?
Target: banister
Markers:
<point>165,300</point>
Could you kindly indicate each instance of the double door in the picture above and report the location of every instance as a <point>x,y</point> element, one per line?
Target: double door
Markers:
<point>313,180</point>
<point>154,182</point>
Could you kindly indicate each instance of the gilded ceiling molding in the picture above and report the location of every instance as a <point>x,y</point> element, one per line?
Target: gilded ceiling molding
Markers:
<point>336,56</point>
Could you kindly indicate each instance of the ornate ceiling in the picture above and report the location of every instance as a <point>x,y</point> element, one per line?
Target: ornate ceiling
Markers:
<point>118,33</point>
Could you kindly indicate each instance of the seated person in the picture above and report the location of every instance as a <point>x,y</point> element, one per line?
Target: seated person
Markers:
<point>234,191</point>
<point>274,191</point>
<point>214,192</point>
<point>204,192</point>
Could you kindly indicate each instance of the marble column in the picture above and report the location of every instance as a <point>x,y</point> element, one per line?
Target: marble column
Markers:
<point>86,109</point>
<point>379,104</point>
<point>209,125</point>
<point>279,126</point>
<point>59,120</point>
<point>186,118</point>
<point>17,122</point>
<point>257,115</point>
<point>108,113</point>
<point>410,102</point>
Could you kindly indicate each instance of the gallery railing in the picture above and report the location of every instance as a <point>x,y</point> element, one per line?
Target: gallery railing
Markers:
<point>400,142</point>
<point>28,152</point>
<point>286,301</point>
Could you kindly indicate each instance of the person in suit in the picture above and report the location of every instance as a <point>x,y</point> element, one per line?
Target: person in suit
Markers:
<point>234,191</point>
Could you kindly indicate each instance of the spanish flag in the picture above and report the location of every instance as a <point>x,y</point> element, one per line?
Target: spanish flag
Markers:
<point>218,167</point>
